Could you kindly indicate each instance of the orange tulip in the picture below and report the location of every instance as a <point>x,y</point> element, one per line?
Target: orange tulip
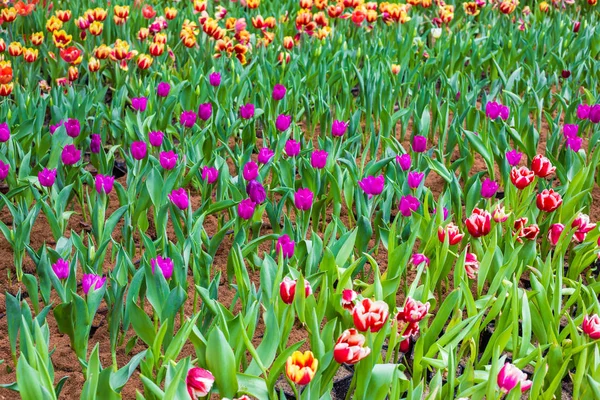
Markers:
<point>300,367</point>
<point>6,72</point>
<point>306,4</point>
<point>24,9</point>
<point>395,69</point>
<point>321,4</point>
<point>253,3</point>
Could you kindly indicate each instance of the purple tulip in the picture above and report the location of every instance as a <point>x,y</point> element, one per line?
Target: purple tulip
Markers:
<point>163,89</point>
<point>595,113</point>
<point>489,188</point>
<point>179,198</point>
<point>408,204</point>
<point>139,103</point>
<point>303,199</point>
<point>256,192</point>
<point>278,92</point>
<point>4,168</point>
<point>583,111</point>
<point>419,258</point>
<point>165,264</point>
<point>54,127</point>
<point>570,130</point>
<point>504,112</point>
<point>318,159</point>
<point>104,183</point>
<point>265,154</point>
<point>61,268</point>
<point>250,171</point>
<point>210,174</point>
<point>70,155</point>
<point>92,281</point>
<point>338,128</point>
<point>205,111</point>
<point>574,143</point>
<point>492,110</point>
<point>47,177</point>
<point>168,159</point>
<point>246,209</point>
<point>139,150</point>
<point>513,157</point>
<point>285,245</point>
<point>372,185</point>
<point>419,144</point>
<point>247,111</point>
<point>215,79</point>
<point>414,179</point>
<point>444,212</point>
<point>156,138</point>
<point>283,122</point>
<point>72,127</point>
<point>4,132</point>
<point>95,143</point>
<point>404,161</point>
<point>188,118</point>
<point>292,148</point>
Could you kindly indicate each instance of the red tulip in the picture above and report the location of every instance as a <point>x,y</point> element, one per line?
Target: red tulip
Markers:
<point>370,315</point>
<point>526,231</point>
<point>554,233</point>
<point>548,200</point>
<point>287,290</point>
<point>471,265</point>
<point>350,347</point>
<point>521,177</point>
<point>591,326</point>
<point>478,224</point>
<point>541,166</point>
<point>199,382</point>
<point>414,310</point>
<point>454,234</point>
<point>348,298</point>
<point>583,225</point>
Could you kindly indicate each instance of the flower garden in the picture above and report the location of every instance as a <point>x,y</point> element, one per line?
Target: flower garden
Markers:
<point>313,199</point>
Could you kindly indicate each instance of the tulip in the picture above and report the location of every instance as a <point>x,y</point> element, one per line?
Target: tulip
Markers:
<point>250,171</point>
<point>283,122</point>
<point>256,192</point>
<point>70,155</point>
<point>511,376</point>
<point>595,113</point>
<point>414,179</point>
<point>199,382</point>
<point>574,143</point>
<point>104,183</point>
<point>72,127</point>
<point>165,264</point>
<point>554,233</point>
<point>54,127</point>
<point>576,26</point>
<point>565,73</point>
<point>404,161</point>
<point>513,157</point>
<point>156,138</point>
<point>471,265</point>
<point>413,311</point>
<point>478,224</point>
<point>318,159</point>
<point>453,233</point>
<point>521,177</point>
<point>370,315</point>
<point>499,215</point>
<point>488,188</point>
<point>408,204</point>
<point>528,232</point>
<point>303,199</point>
<point>541,166</point>
<point>292,148</point>
<point>4,132</point>
<point>265,154</point>
<point>418,259</point>
<point>163,89</point>
<point>4,168</point>
<point>285,245</point>
<point>583,226</point>
<point>419,144</point>
<point>92,281</point>
<point>95,143</point>
<point>47,177</point>
<point>338,128</point>
<point>492,110</point>
<point>139,103</point>
<point>205,111</point>
<point>61,269</point>
<point>300,368</point>
<point>548,200</point>
<point>350,347</point>
<point>372,185</point>
<point>287,289</point>
<point>247,111</point>
<point>570,130</point>
<point>583,111</point>
<point>348,298</point>
<point>188,118</point>
<point>279,92</point>
<point>246,209</point>
<point>444,212</point>
<point>179,198</point>
<point>591,326</point>
<point>210,174</point>
<point>214,79</point>
<point>139,150</point>
<point>504,112</point>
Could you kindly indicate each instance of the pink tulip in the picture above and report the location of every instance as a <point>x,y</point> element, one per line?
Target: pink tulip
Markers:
<point>250,171</point>
<point>246,209</point>
<point>471,265</point>
<point>179,198</point>
<point>303,199</point>
<point>165,264</point>
<point>210,174</point>
<point>591,326</point>
<point>168,159</point>
<point>554,233</point>
<point>372,185</point>
<point>510,376</point>
<point>265,155</point>
<point>104,183</point>
<point>408,204</point>
<point>370,315</point>
<point>199,382</point>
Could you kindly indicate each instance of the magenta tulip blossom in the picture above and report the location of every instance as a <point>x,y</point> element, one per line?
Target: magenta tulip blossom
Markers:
<point>92,281</point>
<point>250,171</point>
<point>408,204</point>
<point>283,122</point>
<point>265,154</point>
<point>318,159</point>
<point>54,127</point>
<point>95,143</point>
<point>188,118</point>
<point>583,111</point>
<point>70,155</point>
<point>163,89</point>
<point>205,111</point>
<point>510,376</point>
<point>256,191</point>
<point>210,174</point>
<point>404,161</point>
<point>489,188</point>
<point>104,183</point>
<point>372,185</point>
<point>414,179</point>
<point>61,269</point>
<point>4,168</point>
<point>285,245</point>
<point>513,157</point>
<point>570,130</point>
<point>139,103</point>
<point>303,199</point>
<point>338,128</point>
<point>139,150</point>
<point>574,143</point>
<point>165,264</point>
<point>214,79</point>
<point>72,127</point>
<point>4,132</point>
<point>179,198</point>
<point>246,209</point>
<point>168,159</point>
<point>419,144</point>
<point>292,148</point>
<point>47,177</point>
<point>247,111</point>
<point>595,113</point>
<point>156,138</point>
<point>279,92</point>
